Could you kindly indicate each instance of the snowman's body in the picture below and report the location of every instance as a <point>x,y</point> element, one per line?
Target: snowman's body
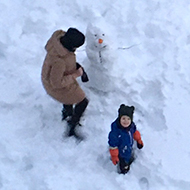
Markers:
<point>101,59</point>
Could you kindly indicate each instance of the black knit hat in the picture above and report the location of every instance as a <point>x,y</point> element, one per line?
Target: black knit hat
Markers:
<point>73,38</point>
<point>126,110</point>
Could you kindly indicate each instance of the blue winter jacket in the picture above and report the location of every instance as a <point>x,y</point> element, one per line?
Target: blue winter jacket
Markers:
<point>122,138</point>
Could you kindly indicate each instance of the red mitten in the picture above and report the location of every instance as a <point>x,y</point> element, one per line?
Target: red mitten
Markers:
<point>137,137</point>
<point>114,155</point>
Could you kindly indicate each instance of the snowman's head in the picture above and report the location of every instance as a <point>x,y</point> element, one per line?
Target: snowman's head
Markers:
<point>96,38</point>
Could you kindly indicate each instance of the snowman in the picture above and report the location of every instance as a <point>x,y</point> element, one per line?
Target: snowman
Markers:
<point>100,55</point>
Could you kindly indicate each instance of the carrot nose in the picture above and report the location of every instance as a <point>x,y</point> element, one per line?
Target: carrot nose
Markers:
<point>100,41</point>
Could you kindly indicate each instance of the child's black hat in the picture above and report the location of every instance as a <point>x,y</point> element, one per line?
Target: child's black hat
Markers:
<point>126,110</point>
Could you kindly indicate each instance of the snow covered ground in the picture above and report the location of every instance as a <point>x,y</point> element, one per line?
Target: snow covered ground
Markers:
<point>153,75</point>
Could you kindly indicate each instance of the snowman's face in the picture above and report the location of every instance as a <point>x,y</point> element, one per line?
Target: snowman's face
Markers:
<point>96,39</point>
<point>99,41</point>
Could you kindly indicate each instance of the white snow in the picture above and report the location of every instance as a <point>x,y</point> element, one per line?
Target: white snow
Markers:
<point>151,43</point>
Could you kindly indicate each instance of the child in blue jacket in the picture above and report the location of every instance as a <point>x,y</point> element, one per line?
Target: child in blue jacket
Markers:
<point>121,138</point>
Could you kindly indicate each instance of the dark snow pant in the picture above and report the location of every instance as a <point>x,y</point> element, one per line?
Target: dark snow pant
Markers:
<point>124,166</point>
<point>75,112</point>
<point>67,111</point>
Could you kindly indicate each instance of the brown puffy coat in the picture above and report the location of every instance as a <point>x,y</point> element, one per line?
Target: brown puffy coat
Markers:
<point>57,70</point>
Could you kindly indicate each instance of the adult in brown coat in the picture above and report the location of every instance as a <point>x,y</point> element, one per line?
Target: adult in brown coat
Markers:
<point>59,73</point>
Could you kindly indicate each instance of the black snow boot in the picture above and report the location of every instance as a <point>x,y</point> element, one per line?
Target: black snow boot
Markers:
<point>123,166</point>
<point>74,122</point>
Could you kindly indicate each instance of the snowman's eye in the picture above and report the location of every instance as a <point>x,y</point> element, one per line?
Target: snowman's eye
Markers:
<point>95,35</point>
<point>103,34</point>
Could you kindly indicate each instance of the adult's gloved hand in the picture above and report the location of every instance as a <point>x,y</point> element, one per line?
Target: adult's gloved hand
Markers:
<point>84,76</point>
<point>114,155</point>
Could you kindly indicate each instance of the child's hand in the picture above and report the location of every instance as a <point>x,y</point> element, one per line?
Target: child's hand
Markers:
<point>137,137</point>
<point>114,155</point>
<point>139,144</point>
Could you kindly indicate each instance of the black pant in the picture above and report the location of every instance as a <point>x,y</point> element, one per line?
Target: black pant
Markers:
<point>124,166</point>
<point>68,109</point>
<point>77,112</point>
